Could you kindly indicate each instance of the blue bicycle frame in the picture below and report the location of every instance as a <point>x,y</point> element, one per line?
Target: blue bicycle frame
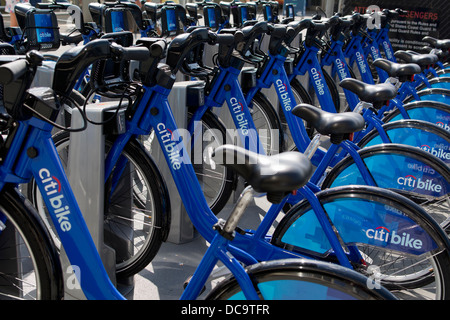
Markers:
<point>309,63</point>
<point>372,47</point>
<point>382,38</point>
<point>336,58</point>
<point>226,88</point>
<point>151,111</point>
<point>355,53</point>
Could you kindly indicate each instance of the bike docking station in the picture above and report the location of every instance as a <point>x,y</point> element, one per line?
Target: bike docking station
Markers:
<point>86,174</point>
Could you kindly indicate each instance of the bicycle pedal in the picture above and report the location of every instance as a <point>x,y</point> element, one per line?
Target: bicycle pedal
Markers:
<point>186,282</point>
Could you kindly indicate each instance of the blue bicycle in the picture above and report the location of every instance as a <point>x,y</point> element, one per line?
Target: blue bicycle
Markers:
<point>29,151</point>
<point>152,114</point>
<point>429,105</point>
<point>141,124</point>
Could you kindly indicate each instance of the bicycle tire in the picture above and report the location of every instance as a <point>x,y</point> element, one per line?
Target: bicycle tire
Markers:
<point>260,104</point>
<point>120,228</point>
<point>431,94</point>
<point>416,133</point>
<point>383,163</point>
<point>437,83</point>
<point>217,194</point>
<point>35,242</point>
<point>265,118</point>
<point>355,213</point>
<point>300,279</point>
<point>432,111</point>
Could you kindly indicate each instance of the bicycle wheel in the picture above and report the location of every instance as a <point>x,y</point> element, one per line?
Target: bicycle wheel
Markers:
<point>268,124</point>
<point>431,94</point>
<point>137,211</point>
<point>29,265</point>
<point>387,237</point>
<point>409,171</point>
<point>217,182</point>
<point>431,111</point>
<point>298,279</point>
<point>416,133</point>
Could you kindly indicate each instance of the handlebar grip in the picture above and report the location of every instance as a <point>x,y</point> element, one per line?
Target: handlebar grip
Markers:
<point>334,20</point>
<point>135,53</point>
<point>12,71</point>
<point>158,49</point>
<point>401,11</point>
<point>228,39</point>
<point>76,39</point>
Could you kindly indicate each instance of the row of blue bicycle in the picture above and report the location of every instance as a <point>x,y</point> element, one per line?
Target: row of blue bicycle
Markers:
<point>363,215</point>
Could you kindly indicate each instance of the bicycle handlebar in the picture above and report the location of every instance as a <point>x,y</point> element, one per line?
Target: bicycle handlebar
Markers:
<point>12,71</point>
<point>73,62</point>
<point>129,53</point>
<point>184,43</point>
<point>75,39</point>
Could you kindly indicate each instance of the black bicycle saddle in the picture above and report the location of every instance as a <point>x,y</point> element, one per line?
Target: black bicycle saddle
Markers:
<point>423,60</point>
<point>377,94</point>
<point>402,71</point>
<point>276,175</point>
<point>443,44</point>
<point>328,123</point>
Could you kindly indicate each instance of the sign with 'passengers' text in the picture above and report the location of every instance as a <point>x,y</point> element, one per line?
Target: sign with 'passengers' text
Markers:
<point>423,18</point>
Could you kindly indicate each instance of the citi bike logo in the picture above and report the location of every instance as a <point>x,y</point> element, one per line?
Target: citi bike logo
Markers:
<point>387,50</point>
<point>384,235</point>
<point>238,110</point>
<point>360,60</point>
<point>418,183</point>
<point>341,68</point>
<point>169,145</point>
<point>437,152</point>
<point>317,79</point>
<point>375,52</point>
<point>52,188</point>
<point>285,100</point>
<point>45,34</point>
<point>443,125</point>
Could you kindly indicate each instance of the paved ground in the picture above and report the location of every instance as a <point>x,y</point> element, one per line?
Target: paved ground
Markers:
<point>163,278</point>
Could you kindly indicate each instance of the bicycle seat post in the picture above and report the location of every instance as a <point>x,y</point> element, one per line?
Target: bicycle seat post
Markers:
<point>238,210</point>
<point>313,146</point>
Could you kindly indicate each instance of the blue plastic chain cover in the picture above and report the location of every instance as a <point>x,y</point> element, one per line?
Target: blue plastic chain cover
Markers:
<point>433,115</point>
<point>268,13</point>
<point>360,221</point>
<point>394,171</point>
<point>421,139</point>
<point>295,290</point>
<point>244,14</point>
